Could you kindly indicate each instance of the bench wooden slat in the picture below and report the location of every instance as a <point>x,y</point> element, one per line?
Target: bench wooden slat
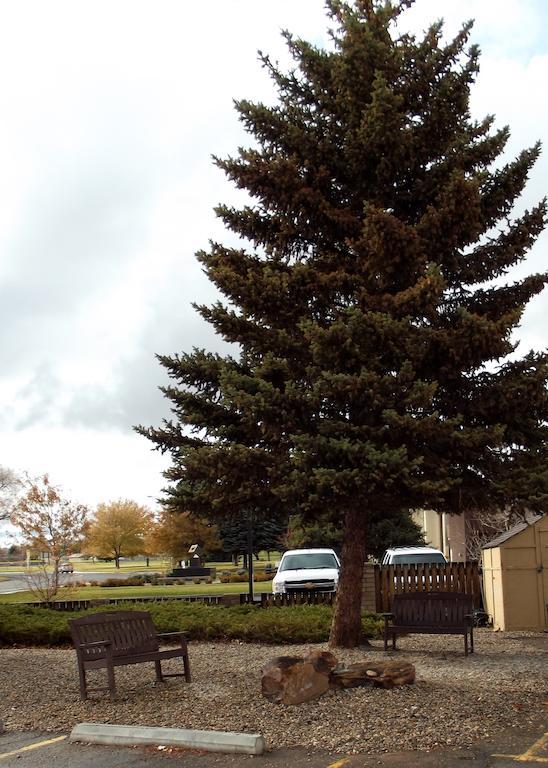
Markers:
<point>115,638</point>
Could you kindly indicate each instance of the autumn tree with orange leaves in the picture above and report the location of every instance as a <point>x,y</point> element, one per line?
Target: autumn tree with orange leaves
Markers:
<point>50,523</point>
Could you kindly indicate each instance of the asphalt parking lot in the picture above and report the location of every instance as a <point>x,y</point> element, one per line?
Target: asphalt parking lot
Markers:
<point>30,749</point>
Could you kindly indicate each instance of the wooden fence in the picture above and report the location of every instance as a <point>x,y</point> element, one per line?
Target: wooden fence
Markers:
<point>391,580</point>
<point>82,605</point>
<point>263,600</point>
<point>269,600</point>
<point>381,583</point>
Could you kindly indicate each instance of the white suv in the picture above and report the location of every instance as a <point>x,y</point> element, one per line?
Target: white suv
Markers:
<point>413,556</point>
<point>310,570</point>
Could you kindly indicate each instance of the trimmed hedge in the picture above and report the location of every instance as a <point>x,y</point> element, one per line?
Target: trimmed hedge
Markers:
<point>25,625</point>
<point>242,578</point>
<point>132,581</point>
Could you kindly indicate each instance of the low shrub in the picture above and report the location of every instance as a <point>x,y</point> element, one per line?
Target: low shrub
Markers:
<point>151,578</point>
<point>237,578</point>
<point>131,581</point>
<point>28,626</point>
<point>243,576</point>
<point>261,576</point>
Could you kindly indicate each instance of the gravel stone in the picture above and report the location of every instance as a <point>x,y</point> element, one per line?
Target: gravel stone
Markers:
<point>455,701</point>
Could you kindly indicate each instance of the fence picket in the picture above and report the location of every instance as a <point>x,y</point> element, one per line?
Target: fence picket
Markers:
<point>391,580</point>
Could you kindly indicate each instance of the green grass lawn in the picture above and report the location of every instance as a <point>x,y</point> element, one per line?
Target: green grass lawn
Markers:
<point>126,566</point>
<point>87,566</point>
<point>94,593</point>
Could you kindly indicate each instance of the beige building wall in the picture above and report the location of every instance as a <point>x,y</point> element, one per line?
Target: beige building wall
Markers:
<point>443,531</point>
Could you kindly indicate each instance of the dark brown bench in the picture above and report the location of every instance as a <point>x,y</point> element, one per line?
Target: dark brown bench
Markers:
<point>118,638</point>
<point>435,613</point>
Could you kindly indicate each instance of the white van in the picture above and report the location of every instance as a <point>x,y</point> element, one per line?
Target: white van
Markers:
<point>310,570</point>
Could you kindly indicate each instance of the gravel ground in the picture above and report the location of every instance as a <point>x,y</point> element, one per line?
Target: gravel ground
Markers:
<point>455,701</point>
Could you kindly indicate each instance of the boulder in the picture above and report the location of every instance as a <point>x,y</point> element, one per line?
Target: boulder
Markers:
<point>295,679</point>
<point>322,661</point>
<point>292,679</point>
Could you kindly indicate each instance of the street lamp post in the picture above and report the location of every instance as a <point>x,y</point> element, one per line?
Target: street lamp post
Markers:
<point>250,553</point>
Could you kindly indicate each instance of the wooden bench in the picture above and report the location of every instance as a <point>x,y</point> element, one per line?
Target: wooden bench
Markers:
<point>118,638</point>
<point>435,613</point>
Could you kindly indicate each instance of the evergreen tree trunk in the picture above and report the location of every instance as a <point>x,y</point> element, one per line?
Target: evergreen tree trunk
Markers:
<point>346,624</point>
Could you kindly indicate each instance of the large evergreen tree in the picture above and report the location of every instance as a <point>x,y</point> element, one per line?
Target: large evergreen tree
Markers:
<point>372,321</point>
<point>266,534</point>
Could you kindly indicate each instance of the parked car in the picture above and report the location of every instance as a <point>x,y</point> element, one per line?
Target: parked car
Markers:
<point>309,570</point>
<point>66,568</point>
<point>413,556</point>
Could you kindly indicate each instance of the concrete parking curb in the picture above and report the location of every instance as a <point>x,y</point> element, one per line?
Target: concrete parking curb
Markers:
<point>134,735</point>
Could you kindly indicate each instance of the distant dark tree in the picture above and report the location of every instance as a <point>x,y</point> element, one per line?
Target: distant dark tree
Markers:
<point>266,535</point>
<point>371,323</point>
<point>397,531</point>
<point>382,532</point>
<point>322,532</point>
<point>233,534</point>
<point>16,552</point>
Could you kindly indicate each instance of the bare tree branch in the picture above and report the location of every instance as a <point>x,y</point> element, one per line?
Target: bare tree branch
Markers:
<point>10,485</point>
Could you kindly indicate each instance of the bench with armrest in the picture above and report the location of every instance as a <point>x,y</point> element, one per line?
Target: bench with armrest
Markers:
<point>118,638</point>
<point>435,613</point>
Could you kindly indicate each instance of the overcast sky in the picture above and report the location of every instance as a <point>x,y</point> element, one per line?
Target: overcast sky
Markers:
<point>110,112</point>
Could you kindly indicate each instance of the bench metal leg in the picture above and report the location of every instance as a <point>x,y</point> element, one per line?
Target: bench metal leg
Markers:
<point>111,683</point>
<point>393,636</point>
<point>186,664</point>
<point>159,676</point>
<point>82,681</point>
<point>110,673</point>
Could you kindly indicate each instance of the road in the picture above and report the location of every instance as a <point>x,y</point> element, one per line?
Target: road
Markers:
<point>16,581</point>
